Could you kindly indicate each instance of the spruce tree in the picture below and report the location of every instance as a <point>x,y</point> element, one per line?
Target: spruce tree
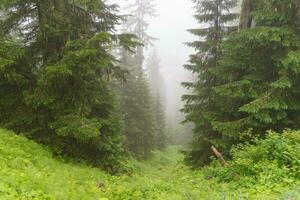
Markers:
<point>257,76</point>
<point>215,19</point>
<point>137,106</point>
<point>260,90</point>
<point>137,102</point>
<point>56,83</point>
<point>160,138</point>
<point>156,81</point>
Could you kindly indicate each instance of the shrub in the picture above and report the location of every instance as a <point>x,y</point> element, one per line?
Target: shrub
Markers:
<point>275,159</point>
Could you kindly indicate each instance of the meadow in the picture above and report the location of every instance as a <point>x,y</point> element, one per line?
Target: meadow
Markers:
<point>29,171</point>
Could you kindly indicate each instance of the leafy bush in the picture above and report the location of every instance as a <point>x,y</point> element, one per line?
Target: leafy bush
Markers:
<point>271,161</point>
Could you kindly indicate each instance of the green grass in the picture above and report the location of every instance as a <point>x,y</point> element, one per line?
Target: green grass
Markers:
<point>28,171</point>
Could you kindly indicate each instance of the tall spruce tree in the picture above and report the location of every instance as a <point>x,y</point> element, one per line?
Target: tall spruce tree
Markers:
<point>201,108</point>
<point>156,81</point>
<point>260,90</point>
<point>137,106</point>
<point>135,92</point>
<point>257,73</point>
<point>160,137</point>
<point>55,68</point>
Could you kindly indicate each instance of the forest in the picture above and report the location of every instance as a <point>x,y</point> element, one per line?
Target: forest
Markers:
<point>149,100</point>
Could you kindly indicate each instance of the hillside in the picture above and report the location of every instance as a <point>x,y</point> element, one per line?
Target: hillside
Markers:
<point>28,171</point>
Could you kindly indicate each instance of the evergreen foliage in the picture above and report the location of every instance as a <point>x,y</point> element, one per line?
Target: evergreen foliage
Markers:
<point>160,124</point>
<point>137,101</point>
<point>137,106</point>
<point>257,78</point>
<point>55,72</point>
<point>215,19</point>
<point>156,79</point>
<point>157,86</point>
<point>260,91</point>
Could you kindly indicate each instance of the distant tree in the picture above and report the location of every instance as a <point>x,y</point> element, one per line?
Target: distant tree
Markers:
<point>137,106</point>
<point>215,18</point>
<point>160,123</point>
<point>158,90</point>
<point>156,79</point>
<point>137,101</point>
<point>140,12</point>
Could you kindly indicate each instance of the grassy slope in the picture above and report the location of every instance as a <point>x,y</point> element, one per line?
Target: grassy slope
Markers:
<point>28,171</point>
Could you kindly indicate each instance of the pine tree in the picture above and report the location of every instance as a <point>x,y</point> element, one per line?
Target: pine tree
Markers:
<point>135,92</point>
<point>137,106</point>
<point>158,90</point>
<point>257,76</point>
<point>160,123</point>
<point>260,91</point>
<point>137,23</point>
<point>215,19</point>
<point>56,83</point>
<point>156,79</point>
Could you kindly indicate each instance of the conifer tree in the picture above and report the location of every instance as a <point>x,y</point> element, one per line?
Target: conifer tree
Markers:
<point>215,19</point>
<point>160,123</point>
<point>55,86</point>
<point>137,106</point>
<point>135,92</point>
<point>260,91</point>
<point>156,81</point>
<point>257,76</point>
<point>137,23</point>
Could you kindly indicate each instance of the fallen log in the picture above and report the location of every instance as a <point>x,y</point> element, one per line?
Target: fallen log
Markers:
<point>218,155</point>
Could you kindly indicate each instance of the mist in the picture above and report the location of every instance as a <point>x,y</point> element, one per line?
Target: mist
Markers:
<point>149,99</point>
<point>169,28</point>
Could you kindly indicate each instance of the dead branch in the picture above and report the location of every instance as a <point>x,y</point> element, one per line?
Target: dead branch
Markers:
<point>218,155</point>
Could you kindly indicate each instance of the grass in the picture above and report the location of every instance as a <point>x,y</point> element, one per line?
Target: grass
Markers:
<point>28,171</point>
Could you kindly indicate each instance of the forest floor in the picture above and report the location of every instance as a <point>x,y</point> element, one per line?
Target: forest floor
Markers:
<point>29,172</point>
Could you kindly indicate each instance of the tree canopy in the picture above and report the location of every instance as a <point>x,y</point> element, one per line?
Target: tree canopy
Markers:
<point>56,67</point>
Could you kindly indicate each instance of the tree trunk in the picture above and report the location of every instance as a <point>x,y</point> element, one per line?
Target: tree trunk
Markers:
<point>246,18</point>
<point>48,12</point>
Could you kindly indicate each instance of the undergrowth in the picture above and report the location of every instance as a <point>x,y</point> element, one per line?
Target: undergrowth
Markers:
<point>28,171</point>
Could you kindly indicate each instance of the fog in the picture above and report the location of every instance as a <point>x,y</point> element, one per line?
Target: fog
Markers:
<point>173,18</point>
<point>170,25</point>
